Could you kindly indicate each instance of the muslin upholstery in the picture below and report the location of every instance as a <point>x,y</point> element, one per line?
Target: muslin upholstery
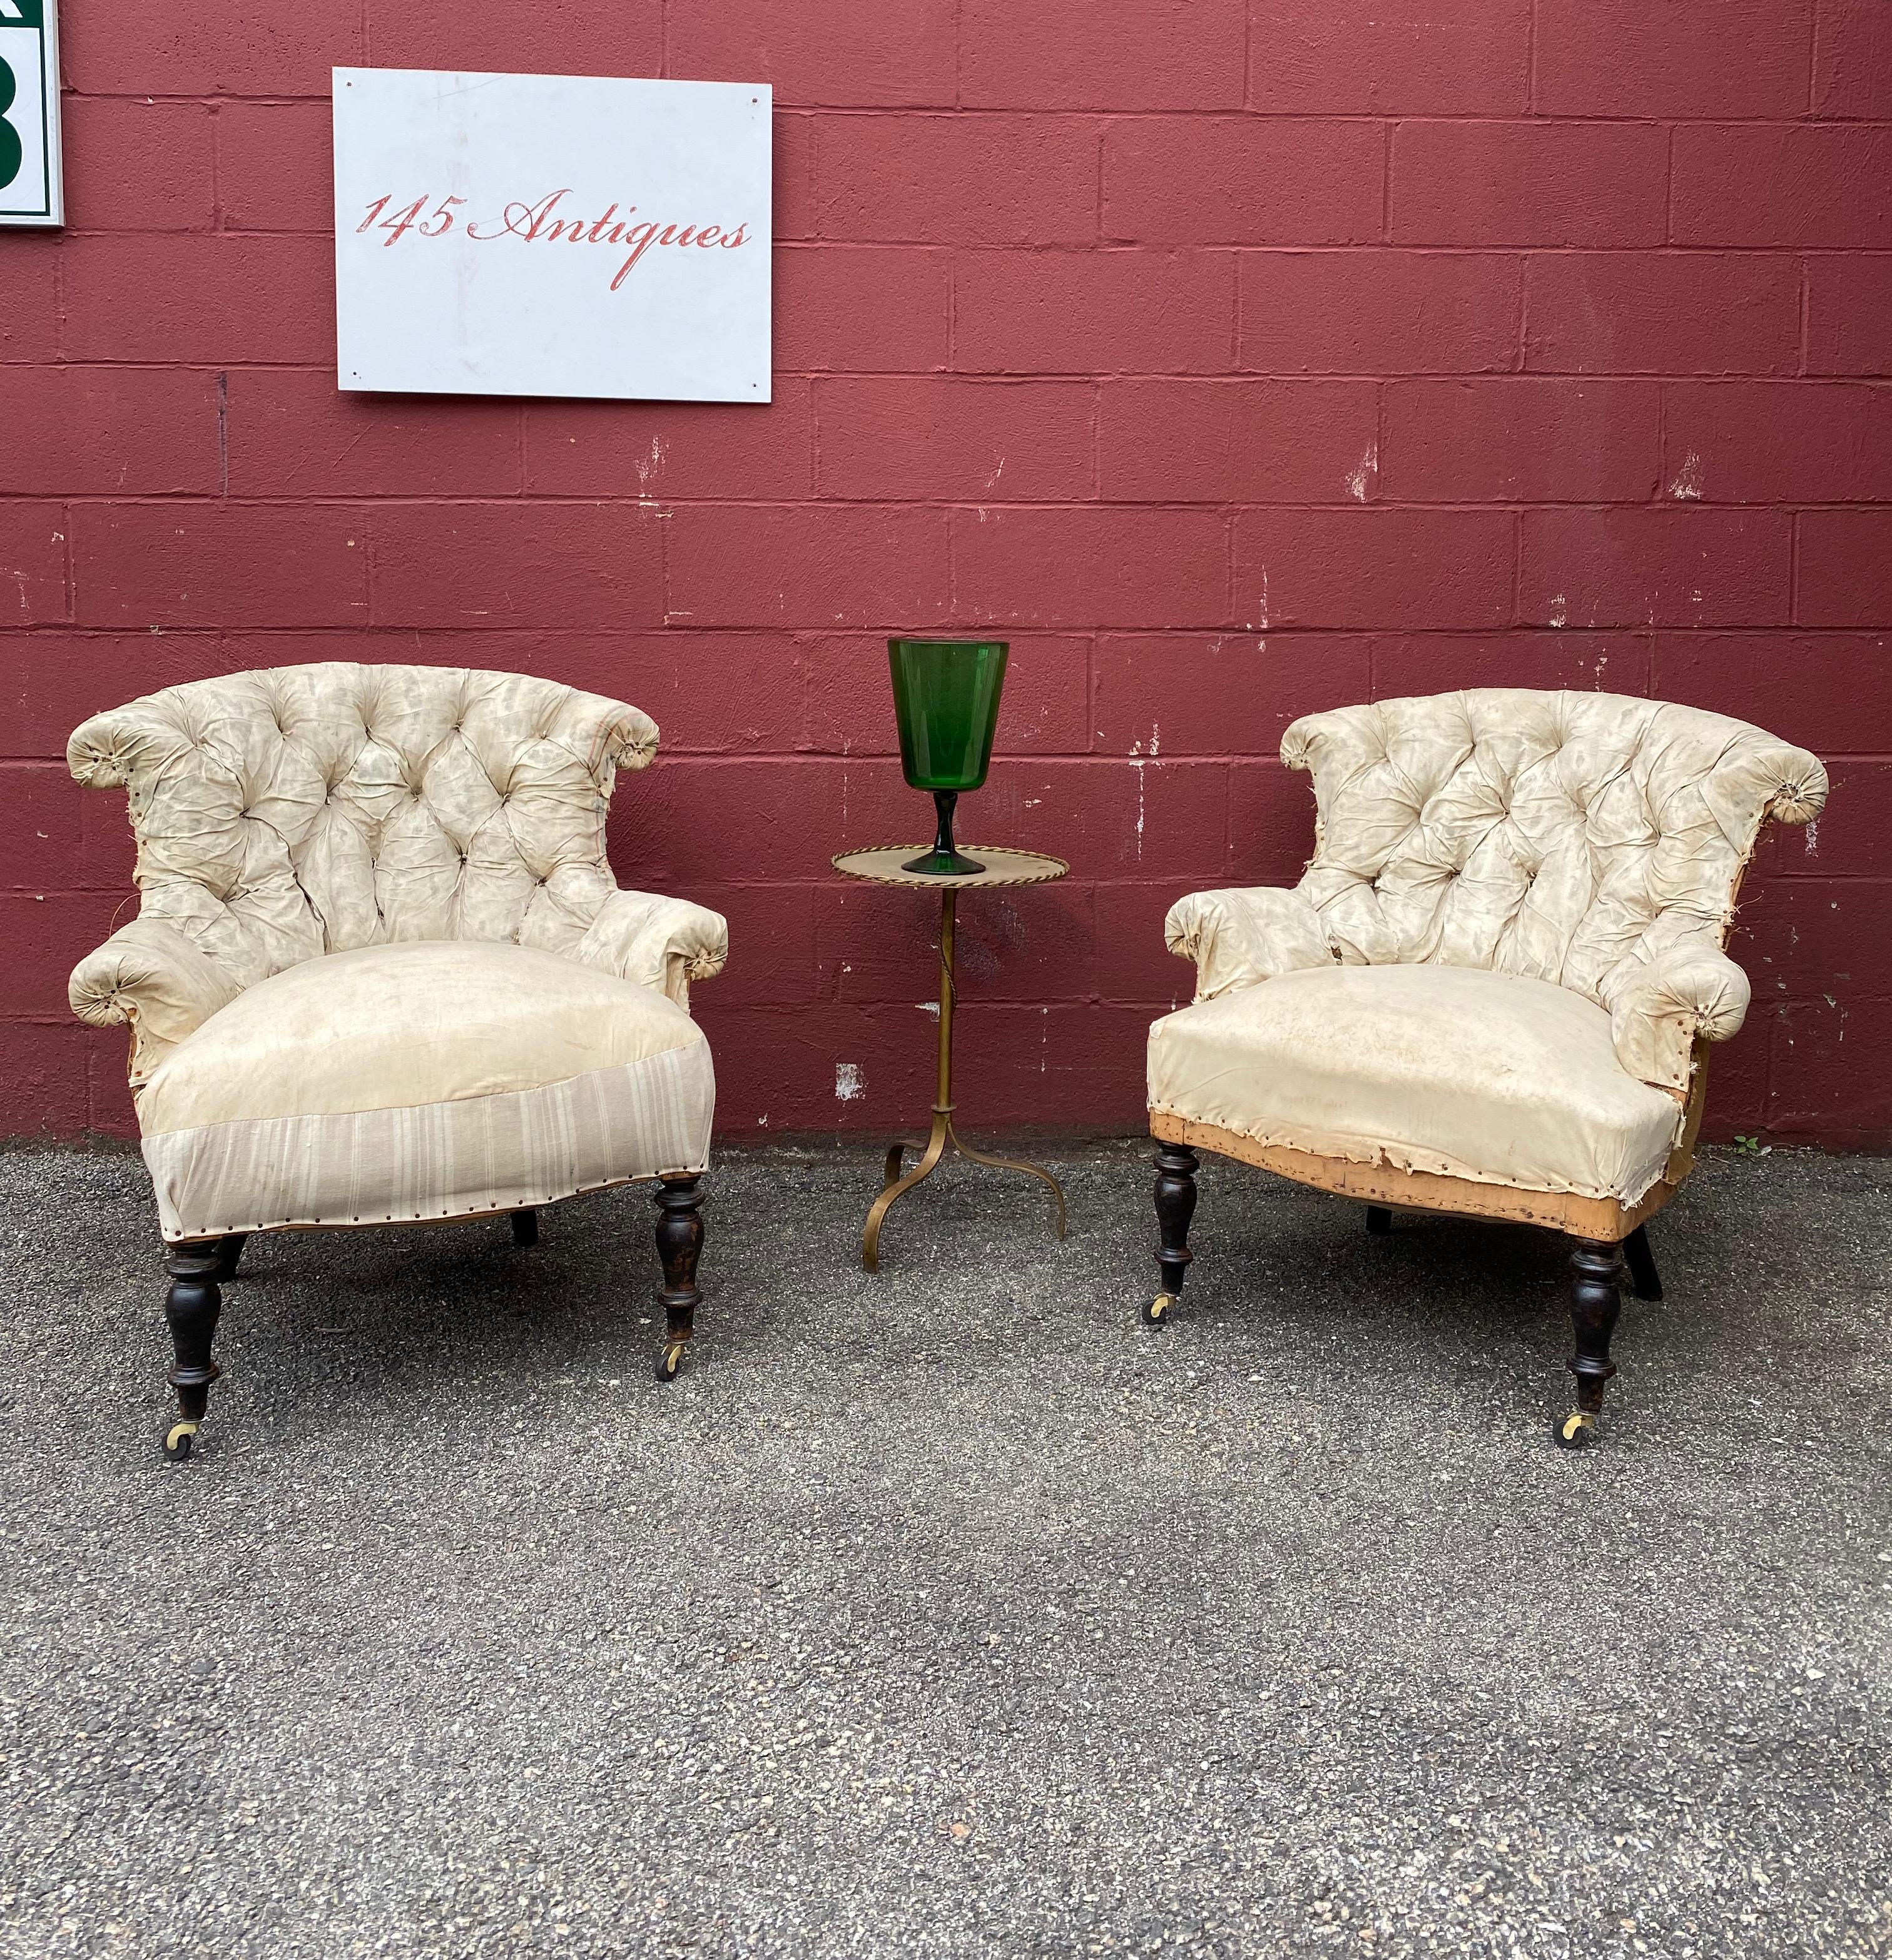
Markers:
<point>1453,1071</point>
<point>434,1079</point>
<point>369,890</point>
<point>1589,844</point>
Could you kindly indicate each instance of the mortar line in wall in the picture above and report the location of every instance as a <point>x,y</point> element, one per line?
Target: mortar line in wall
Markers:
<point>1770,1096</point>
<point>1228,564</point>
<point>1520,360</point>
<point>1102,132</point>
<point>817,413</point>
<point>1364,248</point>
<point>1096,440</point>
<point>1379,439</point>
<point>60,357</point>
<point>814,173</point>
<point>199,630</point>
<point>990,378</point>
<point>813,882</point>
<point>216,170</point>
<point>1662,477</point>
<point>1668,189</point>
<point>864,111</point>
<point>1386,182</point>
<point>952,566</point>
<point>1089,694</point>
<point>1347,505</point>
<point>53,760</point>
<point>1097,759</point>
<point>1233,342</point>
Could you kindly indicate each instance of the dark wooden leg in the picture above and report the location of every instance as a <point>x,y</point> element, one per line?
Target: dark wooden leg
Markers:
<point>192,1306</point>
<point>229,1251</point>
<point>1644,1281</point>
<point>1378,1219</point>
<point>1596,1299</point>
<point>1175,1206</point>
<point>525,1228</point>
<point>679,1242</point>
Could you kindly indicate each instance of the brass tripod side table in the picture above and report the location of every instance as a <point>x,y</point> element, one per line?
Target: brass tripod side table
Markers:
<point>885,865</point>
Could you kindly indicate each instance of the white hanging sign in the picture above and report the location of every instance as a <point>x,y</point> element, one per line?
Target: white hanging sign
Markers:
<point>30,180</point>
<point>536,235</point>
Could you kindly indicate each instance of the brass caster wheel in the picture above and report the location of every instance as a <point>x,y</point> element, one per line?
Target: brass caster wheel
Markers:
<point>1577,1431</point>
<point>180,1440</point>
<point>1157,1311</point>
<point>670,1358</point>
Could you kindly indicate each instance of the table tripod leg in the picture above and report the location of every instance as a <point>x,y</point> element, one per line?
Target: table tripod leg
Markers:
<point>894,1185</point>
<point>877,1214</point>
<point>966,1149</point>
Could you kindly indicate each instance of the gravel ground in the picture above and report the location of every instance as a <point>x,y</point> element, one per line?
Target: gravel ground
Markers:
<point>951,1612</point>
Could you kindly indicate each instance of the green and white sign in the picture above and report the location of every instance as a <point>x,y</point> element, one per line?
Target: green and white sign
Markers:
<point>30,184</point>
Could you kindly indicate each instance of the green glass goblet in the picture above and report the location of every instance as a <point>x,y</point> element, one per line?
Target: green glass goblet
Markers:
<point>946,701</point>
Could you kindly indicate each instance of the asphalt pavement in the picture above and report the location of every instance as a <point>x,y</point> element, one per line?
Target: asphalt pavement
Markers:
<point>950,1611</point>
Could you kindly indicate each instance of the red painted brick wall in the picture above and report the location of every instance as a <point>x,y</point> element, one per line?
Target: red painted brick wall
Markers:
<point>1237,356</point>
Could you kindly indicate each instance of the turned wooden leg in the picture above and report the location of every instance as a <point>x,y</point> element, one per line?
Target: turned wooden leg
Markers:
<point>229,1250</point>
<point>679,1242</point>
<point>1378,1219</point>
<point>525,1228</point>
<point>192,1306</point>
<point>1596,1299</point>
<point>1644,1281</point>
<point>1175,1206</point>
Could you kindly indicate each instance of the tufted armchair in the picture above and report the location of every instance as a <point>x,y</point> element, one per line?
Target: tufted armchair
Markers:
<point>1493,991</point>
<point>381,972</point>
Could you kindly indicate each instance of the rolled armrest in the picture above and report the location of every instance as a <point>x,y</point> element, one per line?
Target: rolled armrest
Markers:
<point>149,975</point>
<point>1688,989</point>
<point>656,941</point>
<point>1240,938</point>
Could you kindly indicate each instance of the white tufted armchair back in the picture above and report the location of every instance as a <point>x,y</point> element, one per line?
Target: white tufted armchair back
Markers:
<point>1565,837</point>
<point>302,810</point>
<point>1592,841</point>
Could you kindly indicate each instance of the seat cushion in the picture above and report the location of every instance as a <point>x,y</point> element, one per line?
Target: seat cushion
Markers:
<point>1449,1070</point>
<point>425,1080</point>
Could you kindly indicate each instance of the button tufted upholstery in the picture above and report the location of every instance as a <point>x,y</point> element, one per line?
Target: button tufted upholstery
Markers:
<point>290,819</point>
<point>304,810</point>
<point>1591,842</point>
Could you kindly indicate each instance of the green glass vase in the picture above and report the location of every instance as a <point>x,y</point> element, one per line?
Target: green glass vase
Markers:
<point>946,701</point>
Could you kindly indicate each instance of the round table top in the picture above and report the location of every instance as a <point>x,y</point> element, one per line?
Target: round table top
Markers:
<point>882,865</point>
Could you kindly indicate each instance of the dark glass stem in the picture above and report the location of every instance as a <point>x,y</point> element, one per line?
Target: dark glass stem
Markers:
<point>945,802</point>
<point>943,861</point>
